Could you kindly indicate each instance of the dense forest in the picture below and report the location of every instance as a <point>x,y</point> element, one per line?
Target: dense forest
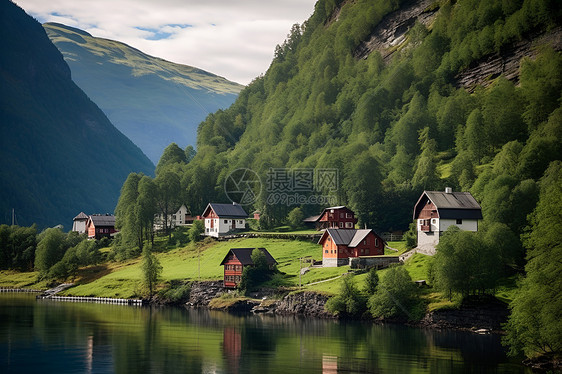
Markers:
<point>59,153</point>
<point>397,125</point>
<point>395,119</point>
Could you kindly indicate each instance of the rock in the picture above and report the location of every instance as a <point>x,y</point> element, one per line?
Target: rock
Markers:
<point>475,313</point>
<point>392,29</point>
<point>507,62</point>
<point>203,292</point>
<point>303,303</point>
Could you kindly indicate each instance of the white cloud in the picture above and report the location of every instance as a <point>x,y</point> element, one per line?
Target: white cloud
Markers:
<point>231,38</point>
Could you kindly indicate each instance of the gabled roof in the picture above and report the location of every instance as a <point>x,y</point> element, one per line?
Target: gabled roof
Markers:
<point>311,219</point>
<point>226,210</point>
<point>452,204</point>
<point>81,216</point>
<point>349,237</point>
<point>244,255</point>
<point>316,218</point>
<point>103,220</point>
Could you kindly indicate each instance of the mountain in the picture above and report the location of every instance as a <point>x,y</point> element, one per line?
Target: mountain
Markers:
<point>59,153</point>
<point>152,101</point>
<point>394,97</point>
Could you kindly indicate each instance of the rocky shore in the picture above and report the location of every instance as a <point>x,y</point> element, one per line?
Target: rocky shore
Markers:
<point>482,314</point>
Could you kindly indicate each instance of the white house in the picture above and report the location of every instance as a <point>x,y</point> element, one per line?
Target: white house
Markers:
<point>222,218</point>
<point>79,224</point>
<point>181,218</point>
<point>435,211</point>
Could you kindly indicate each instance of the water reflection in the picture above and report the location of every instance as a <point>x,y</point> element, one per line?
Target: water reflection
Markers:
<point>96,338</point>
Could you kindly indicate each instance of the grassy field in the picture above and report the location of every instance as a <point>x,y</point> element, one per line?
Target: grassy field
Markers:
<point>202,261</point>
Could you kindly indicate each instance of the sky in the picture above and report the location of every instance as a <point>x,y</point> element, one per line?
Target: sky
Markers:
<point>231,38</point>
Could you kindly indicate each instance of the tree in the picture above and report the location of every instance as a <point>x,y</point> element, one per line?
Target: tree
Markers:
<point>50,250</point>
<point>257,273</point>
<point>464,262</point>
<point>536,311</point>
<point>395,296</point>
<point>349,301</point>
<point>295,217</point>
<point>172,154</point>
<point>168,195</point>
<point>372,281</point>
<point>189,153</point>
<point>196,230</point>
<point>425,173</point>
<point>151,270</point>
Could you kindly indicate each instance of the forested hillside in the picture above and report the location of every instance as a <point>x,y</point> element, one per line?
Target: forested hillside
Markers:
<point>59,154</point>
<point>396,125</point>
<point>152,101</point>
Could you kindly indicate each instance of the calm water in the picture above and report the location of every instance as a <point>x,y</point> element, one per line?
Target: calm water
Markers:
<point>61,337</point>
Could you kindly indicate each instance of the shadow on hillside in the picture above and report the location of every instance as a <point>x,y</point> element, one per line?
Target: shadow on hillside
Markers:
<point>91,273</point>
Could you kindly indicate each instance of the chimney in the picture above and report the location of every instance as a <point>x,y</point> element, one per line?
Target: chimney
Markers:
<point>448,190</point>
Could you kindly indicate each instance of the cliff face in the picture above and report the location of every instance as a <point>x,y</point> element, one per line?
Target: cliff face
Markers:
<point>391,35</point>
<point>483,71</point>
<point>391,32</point>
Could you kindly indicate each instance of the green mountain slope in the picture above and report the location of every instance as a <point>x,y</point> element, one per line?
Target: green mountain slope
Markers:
<point>152,101</point>
<point>376,91</point>
<point>59,153</point>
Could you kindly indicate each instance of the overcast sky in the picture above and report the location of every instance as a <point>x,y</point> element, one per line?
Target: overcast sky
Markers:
<point>231,38</point>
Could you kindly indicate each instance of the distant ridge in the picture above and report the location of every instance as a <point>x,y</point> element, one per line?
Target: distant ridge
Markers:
<point>59,154</point>
<point>153,101</point>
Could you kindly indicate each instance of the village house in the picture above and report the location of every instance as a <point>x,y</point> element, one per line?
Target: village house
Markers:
<point>436,211</point>
<point>100,226</point>
<point>336,217</point>
<point>182,217</point>
<point>235,261</point>
<point>339,245</point>
<point>79,223</point>
<point>223,218</point>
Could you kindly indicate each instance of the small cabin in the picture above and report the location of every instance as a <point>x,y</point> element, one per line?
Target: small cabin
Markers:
<point>220,219</point>
<point>339,245</point>
<point>235,261</point>
<point>100,226</point>
<point>335,217</point>
<point>436,211</point>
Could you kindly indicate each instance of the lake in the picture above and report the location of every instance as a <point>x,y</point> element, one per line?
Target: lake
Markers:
<point>63,337</point>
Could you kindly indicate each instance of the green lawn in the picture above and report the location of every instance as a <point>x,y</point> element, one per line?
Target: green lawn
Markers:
<point>195,262</point>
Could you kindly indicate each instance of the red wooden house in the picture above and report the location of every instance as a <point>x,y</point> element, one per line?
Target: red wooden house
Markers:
<point>336,217</point>
<point>235,261</point>
<point>99,226</point>
<point>338,246</point>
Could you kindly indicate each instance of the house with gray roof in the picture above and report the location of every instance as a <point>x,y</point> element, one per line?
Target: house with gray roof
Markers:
<point>339,245</point>
<point>101,226</point>
<point>221,219</point>
<point>436,211</point>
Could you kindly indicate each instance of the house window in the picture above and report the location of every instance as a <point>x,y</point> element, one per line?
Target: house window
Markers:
<point>341,224</point>
<point>349,225</point>
<point>367,251</point>
<point>341,215</point>
<point>376,242</point>
<point>225,221</point>
<point>326,251</point>
<point>364,242</point>
<point>459,221</point>
<point>434,221</point>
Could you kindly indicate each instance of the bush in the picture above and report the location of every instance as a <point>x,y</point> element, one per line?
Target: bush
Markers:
<point>396,296</point>
<point>349,302</point>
